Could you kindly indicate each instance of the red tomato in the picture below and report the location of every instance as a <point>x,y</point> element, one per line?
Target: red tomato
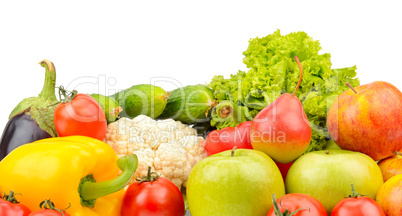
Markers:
<point>10,206</point>
<point>357,206</point>
<point>81,116</point>
<point>48,209</point>
<point>309,205</point>
<point>155,198</point>
<point>47,212</point>
<point>227,138</point>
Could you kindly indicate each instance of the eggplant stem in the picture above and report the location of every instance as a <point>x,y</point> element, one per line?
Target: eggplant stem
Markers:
<point>48,90</point>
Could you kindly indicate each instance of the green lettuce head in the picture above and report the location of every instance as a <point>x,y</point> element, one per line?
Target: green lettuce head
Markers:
<point>272,72</point>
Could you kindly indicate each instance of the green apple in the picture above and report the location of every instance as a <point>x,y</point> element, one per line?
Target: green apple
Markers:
<point>239,183</point>
<point>327,176</point>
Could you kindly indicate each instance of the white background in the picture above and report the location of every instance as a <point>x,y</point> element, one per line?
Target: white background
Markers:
<point>185,40</point>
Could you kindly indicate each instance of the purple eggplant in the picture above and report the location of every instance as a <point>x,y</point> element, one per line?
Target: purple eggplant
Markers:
<point>21,129</point>
<point>32,119</point>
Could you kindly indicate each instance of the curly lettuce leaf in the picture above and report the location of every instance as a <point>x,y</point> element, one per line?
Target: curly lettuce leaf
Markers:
<point>273,71</point>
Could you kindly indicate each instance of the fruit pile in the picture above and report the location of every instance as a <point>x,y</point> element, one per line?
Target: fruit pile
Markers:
<point>291,136</point>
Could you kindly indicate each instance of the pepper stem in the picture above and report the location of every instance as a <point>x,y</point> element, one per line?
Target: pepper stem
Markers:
<point>90,190</point>
<point>48,90</point>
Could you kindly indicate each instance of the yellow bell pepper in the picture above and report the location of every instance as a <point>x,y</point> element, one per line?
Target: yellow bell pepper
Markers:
<point>77,170</point>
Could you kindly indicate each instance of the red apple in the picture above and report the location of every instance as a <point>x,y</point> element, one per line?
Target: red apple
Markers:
<point>391,166</point>
<point>368,119</point>
<point>389,196</point>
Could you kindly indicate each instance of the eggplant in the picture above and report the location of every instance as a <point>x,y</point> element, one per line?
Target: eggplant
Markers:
<point>21,129</point>
<point>32,119</point>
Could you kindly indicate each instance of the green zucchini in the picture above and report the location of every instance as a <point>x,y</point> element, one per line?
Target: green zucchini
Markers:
<point>144,99</point>
<point>189,104</point>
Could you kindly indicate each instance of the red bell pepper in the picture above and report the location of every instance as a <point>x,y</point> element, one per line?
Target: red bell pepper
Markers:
<point>229,137</point>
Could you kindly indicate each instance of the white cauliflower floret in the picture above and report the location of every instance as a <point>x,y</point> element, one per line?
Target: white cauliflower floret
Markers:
<point>170,147</point>
<point>146,157</point>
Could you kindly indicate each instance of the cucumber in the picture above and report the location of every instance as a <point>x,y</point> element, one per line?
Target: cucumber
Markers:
<point>190,104</point>
<point>144,99</point>
<point>109,106</point>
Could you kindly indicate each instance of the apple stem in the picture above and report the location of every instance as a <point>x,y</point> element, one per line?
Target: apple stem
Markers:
<point>351,87</point>
<point>301,74</point>
<point>233,151</point>
<point>398,153</point>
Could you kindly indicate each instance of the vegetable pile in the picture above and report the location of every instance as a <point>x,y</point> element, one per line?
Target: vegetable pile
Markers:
<point>169,147</point>
<point>248,145</point>
<point>273,72</point>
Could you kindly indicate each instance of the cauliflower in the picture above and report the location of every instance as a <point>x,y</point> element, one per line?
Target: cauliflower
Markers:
<point>169,147</point>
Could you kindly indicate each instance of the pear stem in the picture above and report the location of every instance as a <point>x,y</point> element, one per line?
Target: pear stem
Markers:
<point>233,151</point>
<point>301,74</point>
<point>351,87</point>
